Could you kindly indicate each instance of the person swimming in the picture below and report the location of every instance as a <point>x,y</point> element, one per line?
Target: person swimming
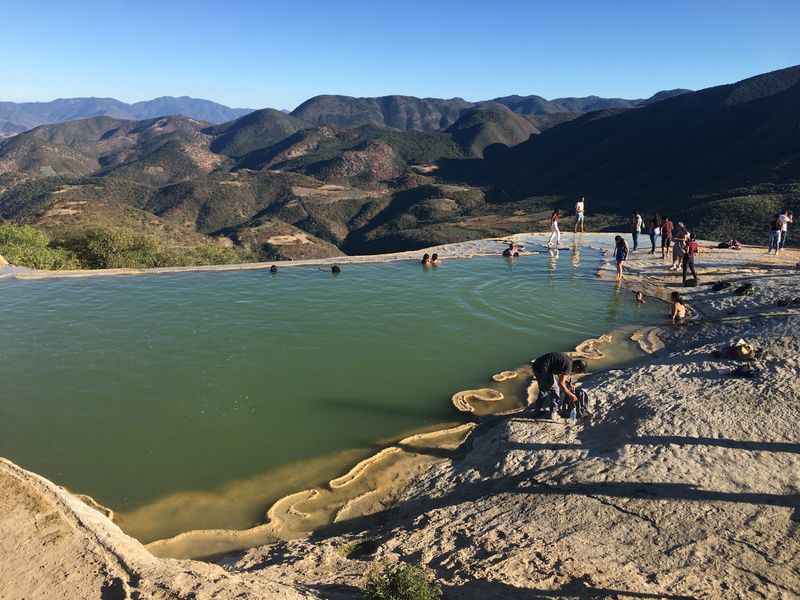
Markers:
<point>335,269</point>
<point>678,312</point>
<point>426,259</point>
<point>639,297</point>
<point>435,259</point>
<point>512,251</point>
<point>273,269</point>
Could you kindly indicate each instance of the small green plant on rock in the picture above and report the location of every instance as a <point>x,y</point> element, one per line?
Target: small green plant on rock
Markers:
<point>401,581</point>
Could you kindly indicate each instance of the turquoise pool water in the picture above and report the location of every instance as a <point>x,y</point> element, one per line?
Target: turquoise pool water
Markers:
<point>134,388</point>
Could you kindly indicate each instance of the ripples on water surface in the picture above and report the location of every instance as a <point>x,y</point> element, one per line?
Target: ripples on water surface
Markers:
<point>133,388</point>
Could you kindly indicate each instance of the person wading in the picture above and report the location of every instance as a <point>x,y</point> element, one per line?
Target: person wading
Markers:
<point>620,254</point>
<point>555,233</point>
<point>552,371</point>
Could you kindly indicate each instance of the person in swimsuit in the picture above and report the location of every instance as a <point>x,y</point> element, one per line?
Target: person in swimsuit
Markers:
<point>678,312</point>
<point>512,251</point>
<point>435,260</point>
<point>620,254</point>
<point>426,259</point>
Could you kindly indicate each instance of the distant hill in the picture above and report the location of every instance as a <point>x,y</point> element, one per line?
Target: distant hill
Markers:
<point>432,114</point>
<point>479,128</point>
<point>7,129</point>
<point>154,150</point>
<point>666,155</point>
<point>256,130</point>
<point>26,115</point>
<point>398,112</point>
<point>368,151</point>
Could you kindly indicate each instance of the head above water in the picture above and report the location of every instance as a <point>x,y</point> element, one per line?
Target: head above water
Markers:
<point>426,257</point>
<point>336,269</point>
<point>578,365</point>
<point>273,269</point>
<point>435,257</point>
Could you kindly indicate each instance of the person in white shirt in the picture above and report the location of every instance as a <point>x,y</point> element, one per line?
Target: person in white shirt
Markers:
<point>636,228</point>
<point>785,218</point>
<point>579,209</point>
<point>555,233</point>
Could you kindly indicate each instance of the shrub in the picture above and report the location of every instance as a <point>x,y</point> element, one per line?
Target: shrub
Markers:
<point>207,255</point>
<point>117,248</point>
<point>27,246</point>
<point>401,582</point>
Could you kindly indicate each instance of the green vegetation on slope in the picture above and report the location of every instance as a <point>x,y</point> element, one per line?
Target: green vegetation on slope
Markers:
<point>26,246</point>
<point>106,248</point>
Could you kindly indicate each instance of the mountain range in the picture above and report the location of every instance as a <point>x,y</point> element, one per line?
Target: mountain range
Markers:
<point>359,175</point>
<point>399,112</point>
<point>26,115</point>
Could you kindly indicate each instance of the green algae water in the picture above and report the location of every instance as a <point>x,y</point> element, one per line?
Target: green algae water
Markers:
<point>131,389</point>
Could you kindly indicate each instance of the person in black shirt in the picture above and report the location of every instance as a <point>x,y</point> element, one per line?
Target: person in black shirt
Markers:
<point>551,371</point>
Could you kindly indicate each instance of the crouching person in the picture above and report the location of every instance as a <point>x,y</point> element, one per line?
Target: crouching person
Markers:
<point>552,373</point>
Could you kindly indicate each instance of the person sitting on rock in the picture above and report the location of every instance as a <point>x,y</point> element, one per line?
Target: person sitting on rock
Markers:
<point>552,371</point>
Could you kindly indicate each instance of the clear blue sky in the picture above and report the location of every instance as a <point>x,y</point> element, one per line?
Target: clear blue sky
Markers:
<point>258,53</point>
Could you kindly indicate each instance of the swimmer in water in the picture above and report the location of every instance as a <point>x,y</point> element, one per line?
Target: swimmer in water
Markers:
<point>678,313</point>
<point>273,269</point>
<point>426,259</point>
<point>639,297</point>
<point>435,259</point>
<point>335,269</point>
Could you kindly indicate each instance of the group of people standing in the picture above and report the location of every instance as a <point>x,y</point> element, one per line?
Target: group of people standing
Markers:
<point>675,236</point>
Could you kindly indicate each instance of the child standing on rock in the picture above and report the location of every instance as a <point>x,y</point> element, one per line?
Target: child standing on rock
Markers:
<point>692,248</point>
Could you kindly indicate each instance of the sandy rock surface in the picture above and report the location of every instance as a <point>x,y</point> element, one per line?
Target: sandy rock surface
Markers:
<point>685,483</point>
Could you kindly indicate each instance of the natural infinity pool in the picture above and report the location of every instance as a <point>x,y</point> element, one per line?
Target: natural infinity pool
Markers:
<point>132,389</point>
